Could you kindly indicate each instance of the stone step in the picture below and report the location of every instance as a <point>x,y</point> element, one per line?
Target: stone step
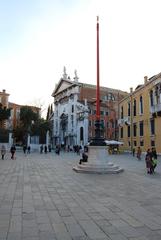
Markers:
<point>89,168</point>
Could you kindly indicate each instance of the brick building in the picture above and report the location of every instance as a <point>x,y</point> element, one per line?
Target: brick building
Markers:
<point>14,119</point>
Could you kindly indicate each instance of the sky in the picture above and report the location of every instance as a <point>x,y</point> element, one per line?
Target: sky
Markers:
<point>39,37</point>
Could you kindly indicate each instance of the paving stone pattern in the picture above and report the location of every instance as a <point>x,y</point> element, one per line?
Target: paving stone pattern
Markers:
<point>42,198</point>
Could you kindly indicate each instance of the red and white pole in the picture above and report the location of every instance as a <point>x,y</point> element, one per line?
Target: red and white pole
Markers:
<point>98,86</point>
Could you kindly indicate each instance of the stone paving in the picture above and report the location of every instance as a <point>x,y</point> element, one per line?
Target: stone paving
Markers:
<point>42,198</point>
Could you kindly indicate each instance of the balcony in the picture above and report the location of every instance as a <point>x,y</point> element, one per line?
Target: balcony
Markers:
<point>125,120</point>
<point>120,121</point>
<point>156,108</point>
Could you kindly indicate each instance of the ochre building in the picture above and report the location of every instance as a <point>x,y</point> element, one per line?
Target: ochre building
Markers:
<point>140,116</point>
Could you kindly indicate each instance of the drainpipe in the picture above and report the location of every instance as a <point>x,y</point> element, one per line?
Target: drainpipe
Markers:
<point>131,118</point>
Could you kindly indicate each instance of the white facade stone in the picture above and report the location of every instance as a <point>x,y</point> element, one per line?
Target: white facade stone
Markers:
<point>70,116</point>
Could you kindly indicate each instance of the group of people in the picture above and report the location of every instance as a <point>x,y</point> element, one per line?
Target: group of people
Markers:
<point>45,149</point>
<point>26,149</point>
<point>12,151</point>
<point>151,160</point>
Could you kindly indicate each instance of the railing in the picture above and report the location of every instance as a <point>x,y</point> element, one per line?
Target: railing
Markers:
<point>125,120</point>
<point>156,108</point>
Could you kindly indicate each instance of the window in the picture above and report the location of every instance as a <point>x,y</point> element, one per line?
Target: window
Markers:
<point>72,108</point>
<point>142,143</point>
<point>152,126</point>
<point>134,107</point>
<point>110,96</point>
<point>141,105</point>
<point>128,131</point>
<point>106,113</point>
<point>102,123</point>
<point>90,123</point>
<point>112,124</point>
<point>151,98</point>
<point>122,133</point>
<point>17,113</point>
<point>134,129</point>
<point>135,143</point>
<point>72,121</point>
<point>157,94</point>
<point>122,112</point>
<point>129,108</point>
<point>104,98</point>
<point>152,143</point>
<point>102,112</point>
<point>94,112</point>
<point>141,128</point>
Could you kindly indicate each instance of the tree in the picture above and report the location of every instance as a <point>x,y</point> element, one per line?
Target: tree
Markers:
<point>27,116</point>
<point>48,113</point>
<point>32,124</point>
<point>4,114</point>
<point>40,128</point>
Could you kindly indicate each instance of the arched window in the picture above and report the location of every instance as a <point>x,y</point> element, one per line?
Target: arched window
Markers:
<point>122,112</point>
<point>129,107</point>
<point>141,105</point>
<point>151,98</point>
<point>135,107</point>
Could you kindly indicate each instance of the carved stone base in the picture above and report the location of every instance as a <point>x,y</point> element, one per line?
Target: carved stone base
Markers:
<point>97,162</point>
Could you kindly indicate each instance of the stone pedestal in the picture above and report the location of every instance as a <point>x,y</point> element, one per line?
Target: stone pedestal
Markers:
<point>98,162</point>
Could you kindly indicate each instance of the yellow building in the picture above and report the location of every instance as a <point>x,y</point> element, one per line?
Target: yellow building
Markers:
<point>140,116</point>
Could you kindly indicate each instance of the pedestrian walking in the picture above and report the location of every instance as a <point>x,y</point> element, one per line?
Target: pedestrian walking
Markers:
<point>24,148</point>
<point>12,151</point>
<point>57,150</point>
<point>154,159</point>
<point>45,149</point>
<point>3,151</point>
<point>28,149</point>
<point>148,160</point>
<point>41,149</point>
<point>139,153</point>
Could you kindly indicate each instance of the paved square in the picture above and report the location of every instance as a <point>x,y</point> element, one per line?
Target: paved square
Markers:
<point>42,198</point>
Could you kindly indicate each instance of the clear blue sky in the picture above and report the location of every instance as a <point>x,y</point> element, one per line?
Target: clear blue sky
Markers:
<point>39,37</point>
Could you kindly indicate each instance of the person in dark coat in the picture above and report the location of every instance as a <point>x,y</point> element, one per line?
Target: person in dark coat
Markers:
<point>28,149</point>
<point>12,151</point>
<point>45,149</point>
<point>148,160</point>
<point>84,158</point>
<point>24,148</point>
<point>41,149</point>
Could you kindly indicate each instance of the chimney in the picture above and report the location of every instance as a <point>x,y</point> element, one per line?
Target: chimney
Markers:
<point>4,90</point>
<point>145,79</point>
